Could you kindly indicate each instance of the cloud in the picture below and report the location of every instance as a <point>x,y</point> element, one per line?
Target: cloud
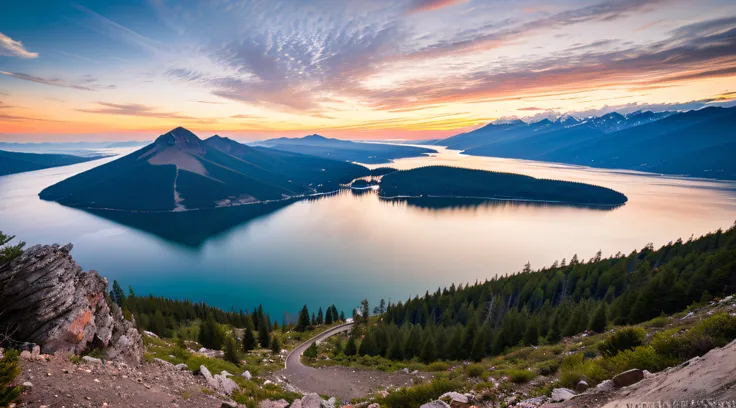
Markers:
<point>133,109</point>
<point>45,81</point>
<point>429,5</point>
<point>210,102</point>
<point>16,118</point>
<point>12,48</point>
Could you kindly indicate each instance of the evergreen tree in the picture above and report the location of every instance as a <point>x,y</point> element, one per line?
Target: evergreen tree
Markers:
<point>311,351</point>
<point>249,338</point>
<point>263,335</point>
<point>210,334</point>
<point>275,345</point>
<point>314,320</point>
<point>117,294</point>
<point>320,318</point>
<point>9,252</point>
<point>231,351</point>
<point>396,350</point>
<point>429,350</point>
<point>350,347</point>
<point>598,321</point>
<point>9,369</point>
<point>303,321</point>
<point>365,311</point>
<point>531,336</point>
<point>342,316</point>
<point>480,343</point>
<point>367,346</point>
<point>328,316</point>
<point>454,349</point>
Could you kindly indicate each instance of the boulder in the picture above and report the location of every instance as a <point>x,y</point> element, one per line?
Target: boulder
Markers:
<point>219,382</point>
<point>311,401</point>
<point>91,360</point>
<point>627,378</point>
<point>163,363</point>
<point>582,386</point>
<point>374,405</point>
<point>455,399</point>
<point>435,404</point>
<point>182,367</point>
<point>296,404</point>
<point>246,375</point>
<point>56,305</point>
<point>282,403</point>
<point>605,386</point>
<point>229,404</point>
<point>26,355</point>
<point>562,394</point>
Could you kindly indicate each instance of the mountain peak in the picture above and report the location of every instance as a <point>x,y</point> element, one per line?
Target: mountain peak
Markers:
<point>314,137</point>
<point>179,137</point>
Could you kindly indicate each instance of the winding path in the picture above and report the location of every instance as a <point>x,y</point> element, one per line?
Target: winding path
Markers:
<point>342,382</point>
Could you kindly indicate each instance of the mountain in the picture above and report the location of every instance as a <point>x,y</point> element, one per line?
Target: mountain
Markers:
<point>15,162</point>
<point>344,150</point>
<point>685,143</point>
<point>179,171</point>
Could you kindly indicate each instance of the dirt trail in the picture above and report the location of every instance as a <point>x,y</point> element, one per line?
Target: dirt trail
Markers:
<point>344,383</point>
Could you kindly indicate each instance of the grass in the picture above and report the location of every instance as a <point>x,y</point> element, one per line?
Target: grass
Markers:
<point>411,397</point>
<point>521,376</point>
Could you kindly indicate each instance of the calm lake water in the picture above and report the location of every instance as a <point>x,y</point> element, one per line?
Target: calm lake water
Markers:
<point>342,248</point>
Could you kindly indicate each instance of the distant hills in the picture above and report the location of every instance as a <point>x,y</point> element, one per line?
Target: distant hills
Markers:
<point>16,162</point>
<point>461,183</point>
<point>179,171</point>
<point>695,143</point>
<point>369,153</point>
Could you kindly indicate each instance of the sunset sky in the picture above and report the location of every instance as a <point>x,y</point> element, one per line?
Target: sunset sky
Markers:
<point>363,69</point>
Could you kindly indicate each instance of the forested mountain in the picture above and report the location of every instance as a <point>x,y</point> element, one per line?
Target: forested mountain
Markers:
<point>455,182</point>
<point>534,307</point>
<point>665,142</point>
<point>16,162</point>
<point>179,171</point>
<point>344,150</point>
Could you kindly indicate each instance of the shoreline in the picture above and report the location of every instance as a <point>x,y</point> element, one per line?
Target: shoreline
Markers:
<point>528,200</point>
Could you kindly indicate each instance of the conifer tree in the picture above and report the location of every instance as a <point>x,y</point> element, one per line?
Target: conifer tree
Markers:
<point>9,252</point>
<point>350,347</point>
<point>342,316</point>
<point>9,369</point>
<point>311,351</point>
<point>303,321</point>
<point>263,335</point>
<point>531,336</point>
<point>598,321</point>
<point>328,316</point>
<point>320,318</point>
<point>275,345</point>
<point>249,338</point>
<point>396,350</point>
<point>231,351</point>
<point>314,320</point>
<point>429,350</point>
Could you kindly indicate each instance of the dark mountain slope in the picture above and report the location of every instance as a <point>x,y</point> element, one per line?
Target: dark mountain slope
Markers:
<point>15,162</point>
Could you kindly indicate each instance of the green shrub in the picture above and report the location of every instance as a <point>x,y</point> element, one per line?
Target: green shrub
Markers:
<point>642,357</point>
<point>626,338</point>
<point>474,370</point>
<point>660,321</point>
<point>9,369</point>
<point>521,376</point>
<point>715,331</point>
<point>548,367</point>
<point>438,366</point>
<point>411,397</point>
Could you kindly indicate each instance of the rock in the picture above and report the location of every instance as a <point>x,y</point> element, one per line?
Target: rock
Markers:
<point>606,386</point>
<point>456,399</point>
<point>56,305</point>
<point>218,382</point>
<point>647,374</point>
<point>582,386</point>
<point>415,372</point>
<point>36,353</point>
<point>229,404</point>
<point>28,384</point>
<point>163,363</point>
<point>246,375</point>
<point>296,404</point>
<point>435,404</point>
<point>282,403</point>
<point>405,370</point>
<point>374,405</point>
<point>225,374</point>
<point>150,334</point>
<point>91,360</point>
<point>562,394</point>
<point>182,367</point>
<point>628,377</point>
<point>26,355</point>
<point>330,403</point>
<point>311,401</point>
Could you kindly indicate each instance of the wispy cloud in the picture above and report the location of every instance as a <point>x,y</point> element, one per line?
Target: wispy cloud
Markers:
<point>12,48</point>
<point>133,109</point>
<point>429,5</point>
<point>46,81</point>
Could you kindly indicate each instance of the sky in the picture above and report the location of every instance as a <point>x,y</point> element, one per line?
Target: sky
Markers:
<point>355,69</point>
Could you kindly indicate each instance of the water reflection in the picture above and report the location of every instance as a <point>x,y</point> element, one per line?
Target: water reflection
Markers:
<point>432,203</point>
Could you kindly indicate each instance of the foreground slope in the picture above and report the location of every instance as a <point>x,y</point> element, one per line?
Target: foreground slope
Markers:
<point>16,162</point>
<point>345,150</point>
<point>179,171</point>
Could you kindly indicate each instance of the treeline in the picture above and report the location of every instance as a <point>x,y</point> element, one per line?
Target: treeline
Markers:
<point>534,307</point>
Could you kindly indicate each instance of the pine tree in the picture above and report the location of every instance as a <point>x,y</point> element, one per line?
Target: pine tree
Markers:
<point>117,295</point>
<point>9,252</point>
<point>303,321</point>
<point>210,334</point>
<point>342,316</point>
<point>231,351</point>
<point>263,335</point>
<point>429,350</point>
<point>311,351</point>
<point>9,369</point>
<point>368,346</point>
<point>328,316</point>
<point>320,318</point>
<point>350,347</point>
<point>531,336</point>
<point>249,338</point>
<point>479,346</point>
<point>396,350</point>
<point>598,321</point>
<point>275,345</point>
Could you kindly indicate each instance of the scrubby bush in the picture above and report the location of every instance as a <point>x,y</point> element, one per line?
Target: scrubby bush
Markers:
<point>549,367</point>
<point>411,397</point>
<point>438,366</point>
<point>715,331</point>
<point>9,369</point>
<point>474,370</point>
<point>521,376</point>
<point>642,357</point>
<point>626,338</point>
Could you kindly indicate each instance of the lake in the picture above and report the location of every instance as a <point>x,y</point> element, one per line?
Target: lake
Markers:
<point>349,246</point>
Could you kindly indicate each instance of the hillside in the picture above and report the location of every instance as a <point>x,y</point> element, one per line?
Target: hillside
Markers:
<point>663,142</point>
<point>453,182</point>
<point>179,171</point>
<point>344,150</point>
<point>16,162</point>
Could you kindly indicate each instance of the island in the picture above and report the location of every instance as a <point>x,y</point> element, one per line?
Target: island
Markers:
<point>19,162</point>
<point>461,183</point>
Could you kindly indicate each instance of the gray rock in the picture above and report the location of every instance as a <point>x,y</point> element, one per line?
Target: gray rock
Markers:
<point>91,360</point>
<point>435,404</point>
<point>282,403</point>
<point>26,355</point>
<point>562,394</point>
<point>374,405</point>
<point>605,386</point>
<point>163,363</point>
<point>220,383</point>
<point>28,384</point>
<point>330,403</point>
<point>627,378</point>
<point>311,401</point>
<point>582,386</point>
<point>229,404</point>
<point>246,375</point>
<point>182,367</point>
<point>56,305</point>
<point>296,404</point>
<point>456,399</point>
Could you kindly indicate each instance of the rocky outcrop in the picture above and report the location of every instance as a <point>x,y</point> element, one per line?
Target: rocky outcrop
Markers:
<point>628,377</point>
<point>219,382</point>
<point>46,299</point>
